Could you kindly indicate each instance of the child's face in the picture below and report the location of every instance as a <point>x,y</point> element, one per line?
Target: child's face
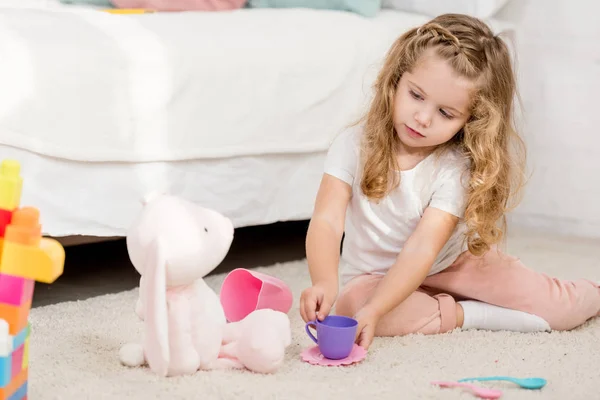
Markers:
<point>431,103</point>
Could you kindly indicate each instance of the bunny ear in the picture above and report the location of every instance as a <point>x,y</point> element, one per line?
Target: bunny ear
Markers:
<point>156,341</point>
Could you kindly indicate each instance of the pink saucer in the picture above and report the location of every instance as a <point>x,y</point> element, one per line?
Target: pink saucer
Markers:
<point>313,356</point>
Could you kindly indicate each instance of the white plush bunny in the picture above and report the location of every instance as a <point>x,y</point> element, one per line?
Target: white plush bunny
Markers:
<point>173,244</point>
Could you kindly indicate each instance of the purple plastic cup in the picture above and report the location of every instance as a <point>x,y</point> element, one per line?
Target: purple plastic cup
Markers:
<point>335,335</point>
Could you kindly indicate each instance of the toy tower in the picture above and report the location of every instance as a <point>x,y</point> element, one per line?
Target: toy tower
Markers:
<point>25,257</point>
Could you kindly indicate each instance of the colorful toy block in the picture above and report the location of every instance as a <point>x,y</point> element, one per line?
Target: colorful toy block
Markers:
<point>5,217</point>
<point>16,388</point>
<point>26,354</point>
<point>43,263</point>
<point>14,351</point>
<point>26,254</point>
<point>15,316</point>
<point>15,290</point>
<point>11,185</point>
<point>25,258</point>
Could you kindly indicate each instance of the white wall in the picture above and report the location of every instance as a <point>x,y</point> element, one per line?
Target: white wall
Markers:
<point>559,70</point>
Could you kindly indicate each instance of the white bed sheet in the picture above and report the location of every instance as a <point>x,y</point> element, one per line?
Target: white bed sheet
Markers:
<point>177,86</point>
<point>101,199</point>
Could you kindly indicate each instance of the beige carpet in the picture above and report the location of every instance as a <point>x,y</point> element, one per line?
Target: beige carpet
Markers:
<point>74,349</point>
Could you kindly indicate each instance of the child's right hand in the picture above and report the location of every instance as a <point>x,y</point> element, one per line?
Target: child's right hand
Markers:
<point>317,301</point>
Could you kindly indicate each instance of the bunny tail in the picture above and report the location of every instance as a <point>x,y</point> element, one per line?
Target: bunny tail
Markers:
<point>156,341</point>
<point>132,355</point>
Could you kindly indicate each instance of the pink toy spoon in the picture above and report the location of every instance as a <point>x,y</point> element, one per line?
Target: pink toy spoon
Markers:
<point>480,392</point>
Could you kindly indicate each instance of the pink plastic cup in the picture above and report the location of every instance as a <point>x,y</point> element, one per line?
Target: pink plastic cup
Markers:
<point>245,291</point>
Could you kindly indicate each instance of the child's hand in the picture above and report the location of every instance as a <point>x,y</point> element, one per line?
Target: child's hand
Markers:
<point>367,321</point>
<point>316,301</point>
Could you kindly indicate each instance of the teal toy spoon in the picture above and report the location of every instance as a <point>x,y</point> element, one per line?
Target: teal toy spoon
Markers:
<point>526,383</point>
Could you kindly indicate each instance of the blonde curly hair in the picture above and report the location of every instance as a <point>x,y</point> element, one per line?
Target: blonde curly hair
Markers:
<point>489,138</point>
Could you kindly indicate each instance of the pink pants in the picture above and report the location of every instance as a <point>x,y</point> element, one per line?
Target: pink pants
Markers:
<point>493,278</point>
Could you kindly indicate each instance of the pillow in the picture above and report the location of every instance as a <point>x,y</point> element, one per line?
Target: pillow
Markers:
<point>181,5</point>
<point>366,8</point>
<point>96,3</point>
<point>477,8</point>
<point>35,4</point>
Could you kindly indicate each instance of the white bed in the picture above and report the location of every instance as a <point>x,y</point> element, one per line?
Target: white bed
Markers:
<point>232,110</point>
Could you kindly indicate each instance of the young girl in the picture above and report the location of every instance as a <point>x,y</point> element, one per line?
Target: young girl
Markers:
<point>420,188</point>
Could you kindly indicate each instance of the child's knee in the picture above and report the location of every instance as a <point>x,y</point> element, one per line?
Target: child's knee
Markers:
<point>354,295</point>
<point>348,303</point>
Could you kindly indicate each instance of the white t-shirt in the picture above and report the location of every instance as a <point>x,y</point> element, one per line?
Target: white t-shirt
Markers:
<point>375,233</point>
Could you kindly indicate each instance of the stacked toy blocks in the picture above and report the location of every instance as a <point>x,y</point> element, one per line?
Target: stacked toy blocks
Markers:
<point>25,257</point>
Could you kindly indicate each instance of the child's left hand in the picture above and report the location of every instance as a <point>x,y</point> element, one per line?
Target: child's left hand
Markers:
<point>367,321</point>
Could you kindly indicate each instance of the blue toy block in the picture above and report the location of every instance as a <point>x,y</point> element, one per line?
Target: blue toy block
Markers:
<point>5,370</point>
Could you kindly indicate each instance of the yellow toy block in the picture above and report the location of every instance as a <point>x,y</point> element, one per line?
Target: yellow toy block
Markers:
<point>11,184</point>
<point>42,263</point>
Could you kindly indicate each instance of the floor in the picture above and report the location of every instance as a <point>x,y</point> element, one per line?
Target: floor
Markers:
<point>76,344</point>
<point>102,268</point>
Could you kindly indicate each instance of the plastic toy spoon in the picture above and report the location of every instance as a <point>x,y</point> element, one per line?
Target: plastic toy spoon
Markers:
<point>480,392</point>
<point>525,383</point>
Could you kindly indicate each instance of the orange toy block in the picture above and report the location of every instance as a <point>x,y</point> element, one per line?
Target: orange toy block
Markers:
<point>24,227</point>
<point>11,185</point>
<point>15,316</point>
<point>14,385</point>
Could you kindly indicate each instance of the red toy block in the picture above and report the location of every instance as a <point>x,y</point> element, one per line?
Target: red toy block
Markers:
<point>5,217</point>
<point>16,316</point>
